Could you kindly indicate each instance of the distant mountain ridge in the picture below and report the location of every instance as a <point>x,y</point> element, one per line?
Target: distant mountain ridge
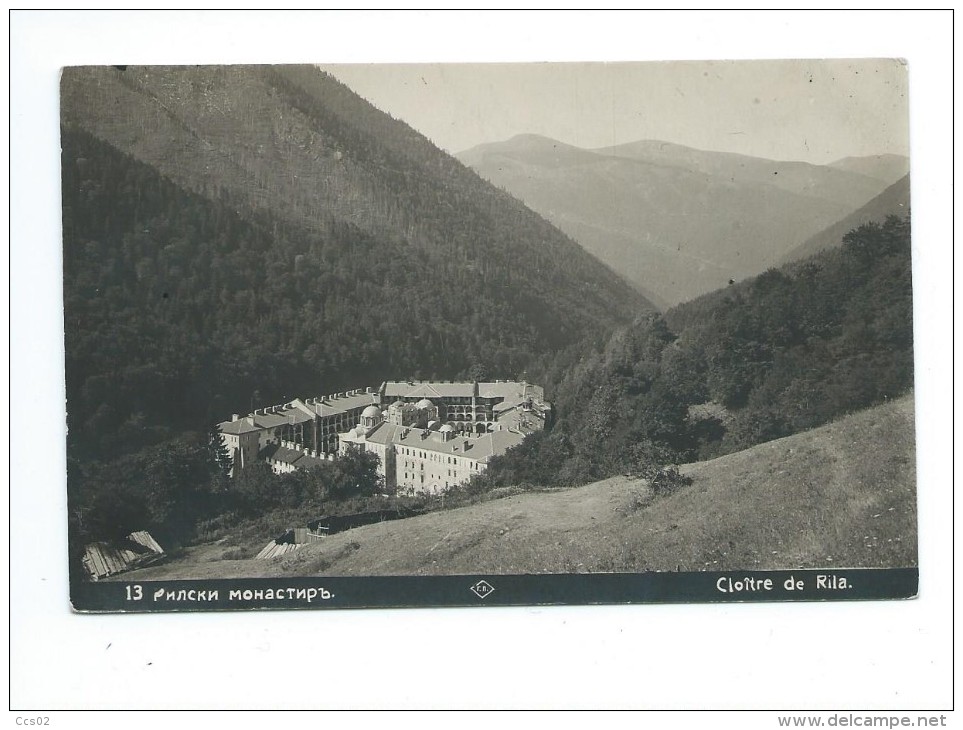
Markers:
<point>847,187</point>
<point>675,221</point>
<point>888,168</point>
<point>895,200</point>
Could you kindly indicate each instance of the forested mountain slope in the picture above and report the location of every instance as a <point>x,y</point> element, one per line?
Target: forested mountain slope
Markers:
<point>293,143</point>
<point>786,351</point>
<point>238,235</point>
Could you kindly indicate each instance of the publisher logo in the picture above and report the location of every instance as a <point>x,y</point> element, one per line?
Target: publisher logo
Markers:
<point>482,589</point>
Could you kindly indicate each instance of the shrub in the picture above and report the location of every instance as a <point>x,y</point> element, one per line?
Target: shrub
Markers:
<point>667,479</point>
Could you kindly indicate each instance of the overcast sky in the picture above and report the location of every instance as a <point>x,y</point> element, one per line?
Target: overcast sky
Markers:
<point>816,111</point>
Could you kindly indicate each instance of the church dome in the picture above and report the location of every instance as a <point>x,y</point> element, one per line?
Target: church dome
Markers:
<point>424,403</point>
<point>371,412</point>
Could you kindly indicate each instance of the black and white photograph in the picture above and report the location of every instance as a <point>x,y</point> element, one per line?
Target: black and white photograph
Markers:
<point>482,359</point>
<point>505,319</point>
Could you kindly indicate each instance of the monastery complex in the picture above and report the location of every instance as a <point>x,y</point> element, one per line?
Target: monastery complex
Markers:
<point>427,435</point>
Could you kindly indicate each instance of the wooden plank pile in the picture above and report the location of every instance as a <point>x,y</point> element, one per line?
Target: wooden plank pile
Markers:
<point>103,559</point>
<point>275,550</point>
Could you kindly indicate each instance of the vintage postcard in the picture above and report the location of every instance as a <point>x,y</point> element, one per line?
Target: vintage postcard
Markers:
<point>494,334</point>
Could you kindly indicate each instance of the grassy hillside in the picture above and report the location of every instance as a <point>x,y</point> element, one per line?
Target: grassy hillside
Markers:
<point>843,495</point>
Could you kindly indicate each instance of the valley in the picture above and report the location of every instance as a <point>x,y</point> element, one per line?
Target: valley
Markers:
<point>838,496</point>
<point>680,222</point>
<point>552,327</point>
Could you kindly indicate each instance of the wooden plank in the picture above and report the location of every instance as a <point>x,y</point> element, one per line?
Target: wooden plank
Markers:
<point>101,559</point>
<point>102,566</point>
<point>97,560</point>
<point>114,562</point>
<point>265,550</point>
<point>90,562</point>
<point>89,567</point>
<point>145,539</point>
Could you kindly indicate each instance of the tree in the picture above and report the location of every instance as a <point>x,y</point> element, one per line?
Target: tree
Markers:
<point>478,372</point>
<point>355,474</point>
<point>219,456</point>
<point>254,488</point>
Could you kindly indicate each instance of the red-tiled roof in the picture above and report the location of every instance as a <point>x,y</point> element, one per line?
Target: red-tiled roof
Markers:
<point>293,457</point>
<point>510,389</point>
<point>276,452</point>
<point>384,433</point>
<point>480,448</point>
<point>441,389</point>
<point>506,405</point>
<point>308,462</point>
<point>336,406</point>
<point>400,389</point>
<point>297,412</point>
<point>242,425</point>
<point>270,420</point>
